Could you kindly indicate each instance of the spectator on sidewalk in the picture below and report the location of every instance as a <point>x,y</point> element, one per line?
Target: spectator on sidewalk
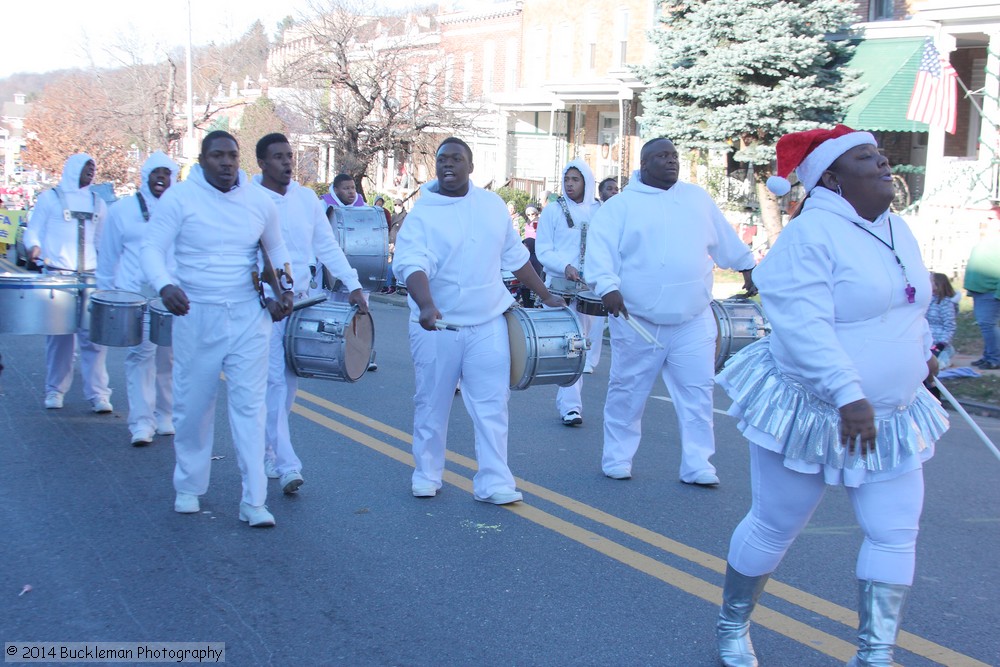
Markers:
<point>982,282</point>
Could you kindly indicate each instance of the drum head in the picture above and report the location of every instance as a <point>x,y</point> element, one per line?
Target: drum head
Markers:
<point>359,336</point>
<point>518,340</point>
<point>118,297</point>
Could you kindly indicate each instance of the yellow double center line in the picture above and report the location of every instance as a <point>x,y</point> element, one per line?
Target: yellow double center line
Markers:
<point>782,624</point>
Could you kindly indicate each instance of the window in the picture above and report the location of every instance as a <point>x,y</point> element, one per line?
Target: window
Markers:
<point>489,60</point>
<point>880,10</point>
<point>510,66</point>
<point>590,41</point>
<point>467,77</point>
<point>449,75</point>
<point>620,55</point>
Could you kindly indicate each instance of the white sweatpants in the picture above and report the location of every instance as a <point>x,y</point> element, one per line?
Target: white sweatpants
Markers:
<point>60,355</point>
<point>686,361</point>
<point>784,500</point>
<point>571,398</point>
<point>212,338</point>
<point>148,382</point>
<point>480,357</point>
<point>282,384</point>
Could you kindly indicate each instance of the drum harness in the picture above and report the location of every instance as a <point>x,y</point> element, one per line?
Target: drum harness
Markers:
<point>570,224</point>
<point>81,218</point>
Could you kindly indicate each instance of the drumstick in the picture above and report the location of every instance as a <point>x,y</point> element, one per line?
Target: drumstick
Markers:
<point>965,415</point>
<point>641,330</point>
<point>441,325</point>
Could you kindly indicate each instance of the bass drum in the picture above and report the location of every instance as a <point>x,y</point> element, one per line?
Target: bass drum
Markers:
<point>330,341</point>
<point>363,236</point>
<point>547,346</point>
<point>116,318</point>
<point>38,304</point>
<point>740,322</point>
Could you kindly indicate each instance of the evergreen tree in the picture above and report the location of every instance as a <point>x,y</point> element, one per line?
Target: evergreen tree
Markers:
<point>744,72</point>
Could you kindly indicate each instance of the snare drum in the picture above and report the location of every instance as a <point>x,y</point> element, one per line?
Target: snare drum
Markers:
<point>564,287</point>
<point>364,238</point>
<point>589,303</point>
<point>329,340</point>
<point>740,322</point>
<point>116,318</point>
<point>161,324</point>
<point>38,304</point>
<point>547,346</point>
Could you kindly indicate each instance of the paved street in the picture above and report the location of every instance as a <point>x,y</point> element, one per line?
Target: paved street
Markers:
<point>586,571</point>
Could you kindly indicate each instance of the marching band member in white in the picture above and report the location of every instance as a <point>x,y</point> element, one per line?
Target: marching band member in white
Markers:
<point>650,255</point>
<point>119,266</point>
<point>559,247</point>
<point>450,253</point>
<point>53,234</point>
<point>308,235</point>
<point>215,221</point>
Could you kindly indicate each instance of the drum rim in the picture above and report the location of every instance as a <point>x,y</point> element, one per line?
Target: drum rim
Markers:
<point>139,299</point>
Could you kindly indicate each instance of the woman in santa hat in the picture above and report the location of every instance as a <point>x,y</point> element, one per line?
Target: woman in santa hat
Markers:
<point>835,395</point>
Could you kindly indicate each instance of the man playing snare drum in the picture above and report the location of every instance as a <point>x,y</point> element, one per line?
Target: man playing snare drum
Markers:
<point>650,255</point>
<point>148,367</point>
<point>216,221</point>
<point>562,234</point>
<point>63,232</point>
<point>450,253</point>
<point>308,236</point>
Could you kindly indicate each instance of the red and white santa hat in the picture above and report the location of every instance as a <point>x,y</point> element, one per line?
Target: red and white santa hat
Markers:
<point>811,153</point>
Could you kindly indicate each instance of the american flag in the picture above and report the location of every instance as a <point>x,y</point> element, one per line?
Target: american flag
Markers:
<point>934,91</point>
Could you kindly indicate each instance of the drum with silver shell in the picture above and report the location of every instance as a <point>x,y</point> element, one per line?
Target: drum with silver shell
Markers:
<point>740,322</point>
<point>38,304</point>
<point>547,346</point>
<point>161,324</point>
<point>363,235</point>
<point>330,341</point>
<point>116,317</point>
<point>565,287</point>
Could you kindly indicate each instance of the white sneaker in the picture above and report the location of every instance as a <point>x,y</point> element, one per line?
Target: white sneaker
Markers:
<point>502,498</point>
<point>142,438</point>
<point>101,406</point>
<point>423,491</point>
<point>588,370</point>
<point>165,428</point>
<point>621,472</point>
<point>704,479</point>
<point>291,481</point>
<point>271,469</point>
<point>186,503</point>
<point>53,400</point>
<point>257,517</point>
<point>572,418</point>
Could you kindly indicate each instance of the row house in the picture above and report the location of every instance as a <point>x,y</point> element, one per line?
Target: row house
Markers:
<point>952,177</point>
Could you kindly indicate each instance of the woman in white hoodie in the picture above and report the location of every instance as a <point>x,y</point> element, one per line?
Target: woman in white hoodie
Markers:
<point>148,367</point>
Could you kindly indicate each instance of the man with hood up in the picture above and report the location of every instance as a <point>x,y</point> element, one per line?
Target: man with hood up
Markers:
<point>456,240</point>
<point>215,221</point>
<point>650,255</point>
<point>559,246</point>
<point>308,236</point>
<point>148,367</point>
<point>64,230</point>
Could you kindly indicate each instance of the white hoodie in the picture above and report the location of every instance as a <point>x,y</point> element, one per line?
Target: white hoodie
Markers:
<point>58,238</point>
<point>215,236</point>
<point>557,244</point>
<point>462,244</point>
<point>658,248</point>
<point>308,235</point>
<point>119,265</point>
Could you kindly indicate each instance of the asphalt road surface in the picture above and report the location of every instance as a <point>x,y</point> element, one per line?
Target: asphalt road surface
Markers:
<point>586,571</point>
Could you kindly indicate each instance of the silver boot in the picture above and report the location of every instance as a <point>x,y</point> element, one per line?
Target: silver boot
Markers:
<point>880,608</point>
<point>732,631</point>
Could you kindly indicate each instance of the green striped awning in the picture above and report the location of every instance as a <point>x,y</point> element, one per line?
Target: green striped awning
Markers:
<point>888,70</point>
